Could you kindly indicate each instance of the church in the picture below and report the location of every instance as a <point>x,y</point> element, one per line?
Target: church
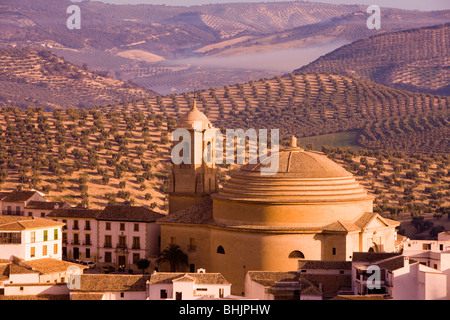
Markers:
<point>311,208</point>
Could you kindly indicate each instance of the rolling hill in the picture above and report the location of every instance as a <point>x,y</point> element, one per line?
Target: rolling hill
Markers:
<point>39,78</point>
<point>415,60</point>
<point>110,32</point>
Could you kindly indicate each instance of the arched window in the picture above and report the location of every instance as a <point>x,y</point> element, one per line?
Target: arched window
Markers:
<point>296,255</point>
<point>220,250</point>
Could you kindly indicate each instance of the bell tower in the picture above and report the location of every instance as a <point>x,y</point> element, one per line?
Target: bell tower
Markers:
<point>194,180</point>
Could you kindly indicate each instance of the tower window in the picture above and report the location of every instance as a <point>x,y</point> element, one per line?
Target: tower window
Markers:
<point>220,250</point>
<point>334,251</point>
<point>296,255</point>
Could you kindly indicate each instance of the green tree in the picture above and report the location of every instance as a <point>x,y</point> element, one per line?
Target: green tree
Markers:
<point>174,256</point>
<point>143,264</point>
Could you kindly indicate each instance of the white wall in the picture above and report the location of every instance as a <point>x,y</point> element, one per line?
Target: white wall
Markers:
<point>54,289</point>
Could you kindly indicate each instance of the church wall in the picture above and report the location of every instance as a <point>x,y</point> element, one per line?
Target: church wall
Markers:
<point>198,252</point>
<point>382,237</point>
<point>255,251</point>
<point>288,214</point>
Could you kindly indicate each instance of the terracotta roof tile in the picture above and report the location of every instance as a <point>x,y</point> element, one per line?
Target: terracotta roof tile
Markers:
<point>49,265</point>
<point>74,213</point>
<point>112,283</point>
<point>198,278</point>
<point>128,213</point>
<point>46,205</point>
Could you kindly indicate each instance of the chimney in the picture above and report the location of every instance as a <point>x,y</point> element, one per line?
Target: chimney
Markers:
<point>405,261</point>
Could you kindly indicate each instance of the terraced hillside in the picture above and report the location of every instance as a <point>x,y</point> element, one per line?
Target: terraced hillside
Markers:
<point>310,105</point>
<point>39,78</point>
<point>415,60</point>
<point>85,157</point>
<point>411,189</point>
<point>133,42</point>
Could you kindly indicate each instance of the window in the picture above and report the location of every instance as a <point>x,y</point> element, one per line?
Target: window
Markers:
<point>87,239</point>
<point>108,257</point>
<point>192,268</point>
<point>136,257</point>
<point>32,252</point>
<point>88,253</point>
<point>33,236</point>
<point>334,251</point>
<point>30,214</point>
<point>45,235</point>
<point>44,250</point>
<point>75,224</point>
<point>122,242</point>
<point>55,234</point>
<point>296,255</point>
<point>163,294</point>
<point>173,240</point>
<point>202,289</point>
<point>122,294</point>
<point>220,250</point>
<point>136,243</point>
<point>136,227</point>
<point>441,247</point>
<point>191,246</point>
<point>55,248</point>
<point>426,246</point>
<point>87,225</point>
<point>341,271</point>
<point>108,242</point>
<point>108,226</point>
<point>42,214</point>
<point>76,240</point>
<point>122,227</point>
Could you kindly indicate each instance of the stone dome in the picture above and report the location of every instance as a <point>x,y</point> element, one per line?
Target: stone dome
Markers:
<point>194,115</point>
<point>301,177</point>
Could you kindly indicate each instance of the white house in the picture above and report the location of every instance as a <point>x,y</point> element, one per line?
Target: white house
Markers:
<point>80,234</point>
<point>42,277</point>
<point>127,234</point>
<point>432,253</point>
<point>14,202</point>
<point>30,238</point>
<point>397,277</point>
<point>187,286</point>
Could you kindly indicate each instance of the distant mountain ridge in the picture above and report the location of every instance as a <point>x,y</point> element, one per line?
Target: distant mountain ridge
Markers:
<point>415,60</point>
<point>39,78</point>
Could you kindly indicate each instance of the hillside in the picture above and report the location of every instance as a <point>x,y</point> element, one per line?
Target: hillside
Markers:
<point>39,78</point>
<point>415,60</point>
<point>411,189</point>
<point>97,157</point>
<point>144,43</point>
<point>314,104</point>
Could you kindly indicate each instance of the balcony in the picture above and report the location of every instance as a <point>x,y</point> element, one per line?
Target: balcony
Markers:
<point>136,247</point>
<point>75,242</point>
<point>121,246</point>
<point>13,213</point>
<point>107,245</point>
<point>87,243</point>
<point>192,248</point>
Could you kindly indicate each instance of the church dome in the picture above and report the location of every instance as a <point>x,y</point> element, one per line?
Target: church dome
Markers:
<point>194,115</point>
<point>307,188</point>
<point>301,177</point>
